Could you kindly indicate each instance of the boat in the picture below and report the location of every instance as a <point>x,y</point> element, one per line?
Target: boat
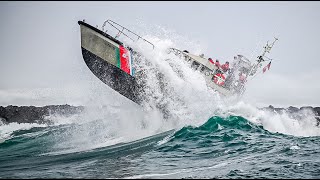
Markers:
<point>109,60</point>
<point>112,62</point>
<point>227,83</point>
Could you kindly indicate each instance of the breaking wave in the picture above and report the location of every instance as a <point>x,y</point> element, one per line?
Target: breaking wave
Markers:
<point>237,137</point>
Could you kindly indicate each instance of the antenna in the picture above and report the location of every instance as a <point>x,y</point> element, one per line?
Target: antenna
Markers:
<point>268,47</point>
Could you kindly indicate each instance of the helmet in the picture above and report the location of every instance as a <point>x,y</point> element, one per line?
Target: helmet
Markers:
<point>227,62</point>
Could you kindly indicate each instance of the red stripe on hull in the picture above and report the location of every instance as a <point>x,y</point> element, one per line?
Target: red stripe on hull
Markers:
<point>124,59</point>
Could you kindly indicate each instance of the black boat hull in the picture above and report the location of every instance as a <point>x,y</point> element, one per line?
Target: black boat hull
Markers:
<point>99,51</point>
<point>112,76</point>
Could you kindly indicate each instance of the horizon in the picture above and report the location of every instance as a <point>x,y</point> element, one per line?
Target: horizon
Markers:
<point>41,40</point>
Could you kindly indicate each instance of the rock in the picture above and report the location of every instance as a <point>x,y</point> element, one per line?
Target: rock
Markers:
<point>295,112</point>
<point>317,110</point>
<point>292,109</point>
<point>32,114</point>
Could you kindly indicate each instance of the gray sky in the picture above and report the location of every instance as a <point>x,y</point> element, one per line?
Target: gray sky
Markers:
<point>40,41</point>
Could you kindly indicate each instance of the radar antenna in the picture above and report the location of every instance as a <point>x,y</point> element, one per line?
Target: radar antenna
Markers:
<point>267,48</point>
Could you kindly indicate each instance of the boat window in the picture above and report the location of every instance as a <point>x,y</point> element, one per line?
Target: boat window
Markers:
<point>204,69</point>
<point>195,65</point>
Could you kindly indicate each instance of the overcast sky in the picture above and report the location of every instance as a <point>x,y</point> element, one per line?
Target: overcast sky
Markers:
<point>40,41</point>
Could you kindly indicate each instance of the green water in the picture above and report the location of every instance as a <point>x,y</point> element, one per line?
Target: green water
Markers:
<point>231,147</point>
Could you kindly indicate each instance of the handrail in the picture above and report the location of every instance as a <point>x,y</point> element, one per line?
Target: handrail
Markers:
<point>121,31</point>
<point>179,52</point>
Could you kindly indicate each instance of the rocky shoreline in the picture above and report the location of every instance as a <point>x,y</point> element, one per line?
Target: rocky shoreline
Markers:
<point>33,114</point>
<point>292,109</point>
<point>297,113</point>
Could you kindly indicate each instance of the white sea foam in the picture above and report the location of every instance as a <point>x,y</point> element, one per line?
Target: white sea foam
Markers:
<point>200,103</point>
<point>285,123</point>
<point>110,118</point>
<point>7,129</point>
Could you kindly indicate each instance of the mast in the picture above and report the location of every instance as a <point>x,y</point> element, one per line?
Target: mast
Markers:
<point>267,48</point>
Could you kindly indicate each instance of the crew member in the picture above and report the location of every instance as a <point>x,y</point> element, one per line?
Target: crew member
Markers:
<point>218,70</point>
<point>211,60</point>
<point>217,63</point>
<point>225,67</point>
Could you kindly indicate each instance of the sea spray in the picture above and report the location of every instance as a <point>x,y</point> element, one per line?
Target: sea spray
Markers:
<point>303,124</point>
<point>214,138</point>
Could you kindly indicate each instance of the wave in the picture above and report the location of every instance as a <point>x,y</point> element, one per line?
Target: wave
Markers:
<point>219,143</point>
<point>229,147</point>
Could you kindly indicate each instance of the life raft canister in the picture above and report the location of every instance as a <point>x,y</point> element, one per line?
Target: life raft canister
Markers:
<point>219,79</point>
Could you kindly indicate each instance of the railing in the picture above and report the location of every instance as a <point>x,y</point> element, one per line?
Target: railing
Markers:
<point>179,53</point>
<point>112,23</point>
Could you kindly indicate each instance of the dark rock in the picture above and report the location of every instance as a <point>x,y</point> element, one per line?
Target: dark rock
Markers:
<point>296,112</point>
<point>271,107</point>
<point>317,110</point>
<point>32,114</point>
<point>292,109</point>
<point>307,108</point>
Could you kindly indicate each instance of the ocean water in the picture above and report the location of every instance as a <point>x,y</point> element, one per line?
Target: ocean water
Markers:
<point>202,135</point>
<point>221,147</point>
